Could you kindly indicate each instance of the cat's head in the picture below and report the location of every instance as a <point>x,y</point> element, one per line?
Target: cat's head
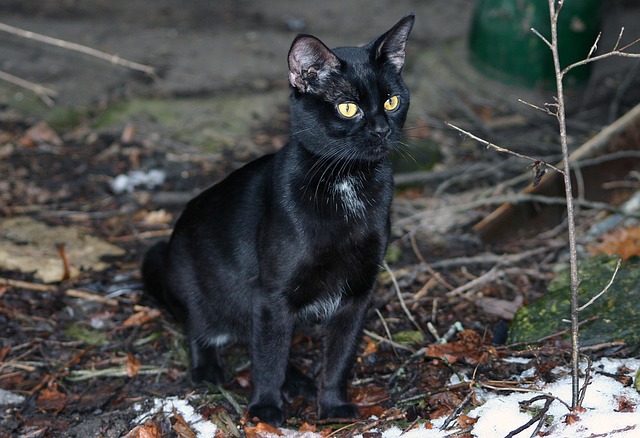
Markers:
<point>350,102</point>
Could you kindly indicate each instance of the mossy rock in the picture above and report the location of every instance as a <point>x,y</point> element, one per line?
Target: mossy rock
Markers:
<point>616,313</point>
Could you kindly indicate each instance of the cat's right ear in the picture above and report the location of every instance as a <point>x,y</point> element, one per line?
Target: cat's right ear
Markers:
<point>310,62</point>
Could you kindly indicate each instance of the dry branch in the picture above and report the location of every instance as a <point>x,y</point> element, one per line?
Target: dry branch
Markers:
<point>44,93</point>
<point>113,59</point>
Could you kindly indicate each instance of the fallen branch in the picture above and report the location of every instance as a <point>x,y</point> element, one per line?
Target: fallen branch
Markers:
<point>396,286</point>
<point>539,417</point>
<point>44,93</point>
<point>73,293</point>
<point>81,375</point>
<point>113,59</point>
<point>606,288</point>
<point>501,149</point>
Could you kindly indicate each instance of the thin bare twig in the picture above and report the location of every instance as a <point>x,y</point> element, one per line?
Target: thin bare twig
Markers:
<point>401,299</point>
<point>113,59</point>
<point>603,291</point>
<point>616,51</point>
<point>386,330</point>
<point>538,417</point>
<point>501,149</point>
<point>44,93</point>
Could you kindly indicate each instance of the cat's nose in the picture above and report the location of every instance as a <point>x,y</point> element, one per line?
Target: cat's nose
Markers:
<point>382,131</point>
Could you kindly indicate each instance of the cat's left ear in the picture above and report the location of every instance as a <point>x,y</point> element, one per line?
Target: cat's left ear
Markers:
<point>390,47</point>
<point>310,62</point>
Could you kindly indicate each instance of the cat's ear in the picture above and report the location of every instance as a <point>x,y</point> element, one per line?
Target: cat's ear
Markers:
<point>390,47</point>
<point>310,61</point>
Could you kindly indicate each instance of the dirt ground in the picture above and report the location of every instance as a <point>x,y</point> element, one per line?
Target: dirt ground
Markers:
<point>87,364</point>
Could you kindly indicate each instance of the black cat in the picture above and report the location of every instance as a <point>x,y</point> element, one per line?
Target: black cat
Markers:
<point>295,236</point>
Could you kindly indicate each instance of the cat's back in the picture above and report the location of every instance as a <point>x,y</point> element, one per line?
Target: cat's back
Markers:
<point>229,209</point>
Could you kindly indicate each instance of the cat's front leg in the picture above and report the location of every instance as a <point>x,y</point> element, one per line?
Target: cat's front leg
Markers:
<point>342,334</point>
<point>271,331</point>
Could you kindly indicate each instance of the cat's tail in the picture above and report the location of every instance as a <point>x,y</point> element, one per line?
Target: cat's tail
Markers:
<point>153,269</point>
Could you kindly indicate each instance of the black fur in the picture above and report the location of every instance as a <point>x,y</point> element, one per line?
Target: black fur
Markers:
<point>295,236</point>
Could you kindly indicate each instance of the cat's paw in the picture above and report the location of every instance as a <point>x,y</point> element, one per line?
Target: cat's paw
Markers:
<point>208,373</point>
<point>267,414</point>
<point>347,410</point>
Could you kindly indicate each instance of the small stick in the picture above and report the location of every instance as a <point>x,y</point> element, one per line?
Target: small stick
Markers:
<point>44,93</point>
<point>457,410</point>
<point>73,293</point>
<point>65,261</point>
<point>500,149</point>
<point>402,303</point>
<point>386,329</point>
<point>113,59</point>
<point>606,288</point>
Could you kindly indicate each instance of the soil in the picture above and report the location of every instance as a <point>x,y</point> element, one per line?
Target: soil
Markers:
<point>86,365</point>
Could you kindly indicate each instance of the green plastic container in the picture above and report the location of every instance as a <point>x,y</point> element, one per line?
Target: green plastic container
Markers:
<point>503,46</point>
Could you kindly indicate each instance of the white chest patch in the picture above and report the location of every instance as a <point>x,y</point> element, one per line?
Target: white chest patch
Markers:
<point>347,190</point>
<point>321,309</point>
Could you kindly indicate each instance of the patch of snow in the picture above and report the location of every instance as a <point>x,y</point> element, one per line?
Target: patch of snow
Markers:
<point>516,360</point>
<point>500,413</point>
<point>8,398</point>
<point>203,428</point>
<point>128,182</point>
<point>528,373</point>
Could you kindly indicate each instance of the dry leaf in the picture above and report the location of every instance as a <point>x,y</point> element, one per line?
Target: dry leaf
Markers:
<point>260,430</point>
<point>571,419</point>
<point>40,133</point>
<point>306,427</point>
<point>181,427</point>
<point>469,348</point>
<point>625,405</point>
<point>624,242</point>
<point>371,348</point>
<point>141,317</point>
<point>133,365</point>
<point>157,217</point>
<point>149,429</point>
<point>466,421</point>
<point>368,395</point>
<point>51,400</point>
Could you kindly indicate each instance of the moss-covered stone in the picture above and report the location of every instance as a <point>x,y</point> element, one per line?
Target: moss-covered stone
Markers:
<point>616,314</point>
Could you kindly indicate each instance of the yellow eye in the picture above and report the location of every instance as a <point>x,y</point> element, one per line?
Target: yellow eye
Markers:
<point>348,109</point>
<point>391,103</point>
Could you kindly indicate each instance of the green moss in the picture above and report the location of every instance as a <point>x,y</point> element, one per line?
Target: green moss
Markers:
<point>91,337</point>
<point>616,314</point>
<point>206,122</point>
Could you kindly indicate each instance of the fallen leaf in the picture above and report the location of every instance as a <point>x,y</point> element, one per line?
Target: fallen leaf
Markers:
<point>133,365</point>
<point>51,400</point>
<point>371,348</point>
<point>571,419</point>
<point>624,242</point>
<point>469,348</point>
<point>157,217</point>
<point>40,133</point>
<point>465,421</point>
<point>181,427</point>
<point>145,315</point>
<point>372,411</point>
<point>306,427</point>
<point>149,429</point>
<point>261,430</point>
<point>624,404</point>
<point>368,395</point>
